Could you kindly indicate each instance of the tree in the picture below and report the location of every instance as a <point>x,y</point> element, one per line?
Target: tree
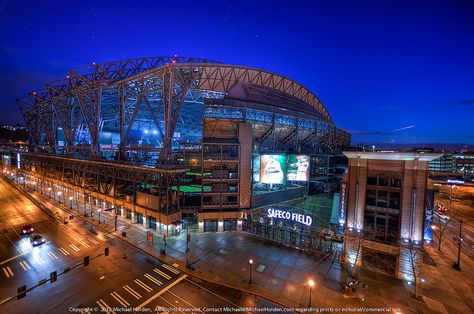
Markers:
<point>440,224</point>
<point>415,263</point>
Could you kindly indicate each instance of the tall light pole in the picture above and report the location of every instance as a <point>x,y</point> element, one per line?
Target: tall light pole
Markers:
<point>457,265</point>
<point>70,199</point>
<point>250,270</point>
<point>99,210</point>
<point>49,193</point>
<point>310,284</point>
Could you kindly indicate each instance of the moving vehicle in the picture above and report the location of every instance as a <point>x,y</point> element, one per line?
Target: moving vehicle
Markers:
<point>36,240</point>
<point>27,229</point>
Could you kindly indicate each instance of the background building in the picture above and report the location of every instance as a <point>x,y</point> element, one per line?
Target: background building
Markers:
<point>386,201</point>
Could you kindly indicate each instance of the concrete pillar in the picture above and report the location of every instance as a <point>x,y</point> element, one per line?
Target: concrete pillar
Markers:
<point>220,226</point>
<point>239,225</point>
<point>144,221</point>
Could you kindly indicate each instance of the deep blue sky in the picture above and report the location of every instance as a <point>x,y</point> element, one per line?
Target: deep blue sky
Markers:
<point>388,71</point>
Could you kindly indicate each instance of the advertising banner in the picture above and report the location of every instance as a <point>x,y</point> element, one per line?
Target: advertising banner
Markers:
<point>272,169</point>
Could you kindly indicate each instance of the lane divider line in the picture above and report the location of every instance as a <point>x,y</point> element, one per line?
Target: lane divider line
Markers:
<point>172,269</point>
<point>23,266</point>
<point>143,285</point>
<point>120,299</point>
<point>153,279</point>
<point>162,274</point>
<point>132,292</point>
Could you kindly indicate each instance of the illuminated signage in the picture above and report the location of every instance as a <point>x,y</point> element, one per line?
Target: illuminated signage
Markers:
<point>455,181</point>
<point>304,219</point>
<point>342,204</point>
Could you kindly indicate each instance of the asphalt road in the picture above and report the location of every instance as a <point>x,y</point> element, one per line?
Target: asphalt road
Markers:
<point>126,279</point>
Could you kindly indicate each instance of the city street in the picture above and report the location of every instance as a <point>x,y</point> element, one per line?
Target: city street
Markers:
<point>124,279</point>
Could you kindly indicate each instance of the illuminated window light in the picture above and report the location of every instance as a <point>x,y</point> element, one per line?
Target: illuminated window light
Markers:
<point>146,131</point>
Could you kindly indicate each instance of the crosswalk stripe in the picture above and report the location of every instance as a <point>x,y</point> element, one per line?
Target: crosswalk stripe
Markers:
<point>110,235</point>
<point>23,266</point>
<point>75,248</point>
<point>105,306</point>
<point>162,274</point>
<point>120,299</point>
<point>153,279</point>
<point>8,272</point>
<point>93,241</point>
<point>143,285</point>
<point>84,243</point>
<point>63,251</point>
<point>51,255</point>
<point>172,269</point>
<point>40,260</point>
<point>132,292</point>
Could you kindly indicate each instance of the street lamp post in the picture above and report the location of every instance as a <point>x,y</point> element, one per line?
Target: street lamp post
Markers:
<point>457,265</point>
<point>70,199</point>
<point>311,284</point>
<point>59,197</point>
<point>250,270</point>
<point>49,193</point>
<point>99,210</point>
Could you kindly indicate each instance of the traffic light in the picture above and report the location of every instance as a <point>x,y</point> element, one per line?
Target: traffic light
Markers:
<point>106,252</point>
<point>53,276</point>
<point>21,292</point>
<point>86,260</point>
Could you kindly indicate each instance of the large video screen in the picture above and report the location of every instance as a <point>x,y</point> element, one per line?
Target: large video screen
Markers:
<point>272,169</point>
<point>298,168</point>
<point>256,168</point>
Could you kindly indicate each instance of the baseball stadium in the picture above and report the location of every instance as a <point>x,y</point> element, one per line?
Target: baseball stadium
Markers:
<point>175,141</point>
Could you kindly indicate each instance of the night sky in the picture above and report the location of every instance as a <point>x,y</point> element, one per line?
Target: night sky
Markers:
<point>387,71</point>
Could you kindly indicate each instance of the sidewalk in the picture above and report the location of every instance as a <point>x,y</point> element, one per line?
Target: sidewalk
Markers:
<point>281,274</point>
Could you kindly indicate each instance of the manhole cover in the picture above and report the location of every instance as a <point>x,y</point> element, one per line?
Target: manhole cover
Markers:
<point>261,268</point>
<point>224,252</point>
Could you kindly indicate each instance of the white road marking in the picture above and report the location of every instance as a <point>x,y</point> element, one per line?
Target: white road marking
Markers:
<point>153,279</point>
<point>110,235</point>
<point>52,255</point>
<point>161,292</point>
<point>162,274</point>
<point>63,251</point>
<point>93,241</point>
<point>8,271</point>
<point>84,243</point>
<point>104,306</point>
<point>24,265</point>
<point>40,260</point>
<point>75,248</point>
<point>143,285</point>
<point>132,292</point>
<point>171,269</point>
<point>120,299</point>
